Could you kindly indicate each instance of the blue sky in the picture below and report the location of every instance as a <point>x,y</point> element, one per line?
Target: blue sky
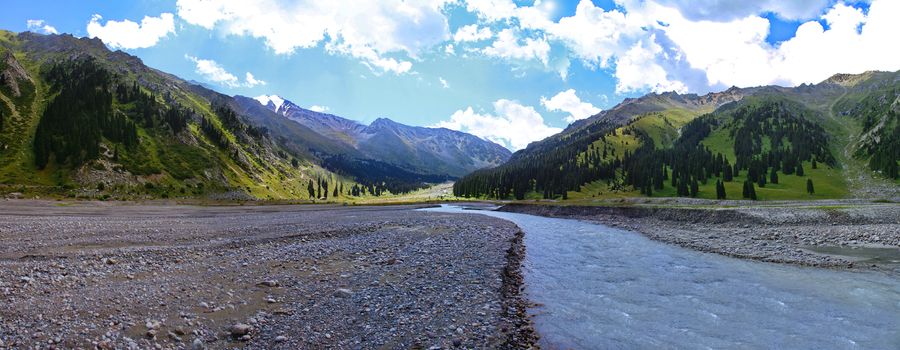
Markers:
<point>510,71</point>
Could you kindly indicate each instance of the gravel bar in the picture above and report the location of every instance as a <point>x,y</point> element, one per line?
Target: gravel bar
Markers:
<point>120,276</point>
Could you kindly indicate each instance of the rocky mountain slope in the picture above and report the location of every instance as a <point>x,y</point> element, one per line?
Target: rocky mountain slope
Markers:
<point>842,132</point>
<point>426,151</point>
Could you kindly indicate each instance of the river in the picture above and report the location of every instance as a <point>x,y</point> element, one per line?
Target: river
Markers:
<point>599,287</point>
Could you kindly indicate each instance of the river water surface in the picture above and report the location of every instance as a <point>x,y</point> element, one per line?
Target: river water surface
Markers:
<point>604,288</point>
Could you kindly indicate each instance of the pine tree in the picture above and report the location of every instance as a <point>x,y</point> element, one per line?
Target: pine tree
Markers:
<point>695,188</point>
<point>311,189</point>
<point>746,190</point>
<point>799,169</point>
<point>752,190</point>
<point>809,187</point>
<point>720,189</point>
<point>773,176</point>
<point>762,180</point>
<point>814,165</point>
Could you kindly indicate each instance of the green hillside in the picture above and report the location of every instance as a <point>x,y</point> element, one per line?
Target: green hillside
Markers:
<point>78,120</point>
<point>840,136</point>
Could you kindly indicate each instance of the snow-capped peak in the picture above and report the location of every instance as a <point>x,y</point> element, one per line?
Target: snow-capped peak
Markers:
<point>275,100</point>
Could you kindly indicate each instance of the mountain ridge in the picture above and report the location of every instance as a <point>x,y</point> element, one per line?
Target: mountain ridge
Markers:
<point>431,151</point>
<point>861,108</point>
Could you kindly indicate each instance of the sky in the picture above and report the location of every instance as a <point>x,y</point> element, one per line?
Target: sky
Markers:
<point>511,71</point>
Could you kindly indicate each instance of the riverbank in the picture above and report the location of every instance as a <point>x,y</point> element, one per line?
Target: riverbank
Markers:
<point>105,275</point>
<point>783,233</point>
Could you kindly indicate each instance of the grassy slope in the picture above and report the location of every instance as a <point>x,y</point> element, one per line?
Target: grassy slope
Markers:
<point>828,182</point>
<point>173,167</point>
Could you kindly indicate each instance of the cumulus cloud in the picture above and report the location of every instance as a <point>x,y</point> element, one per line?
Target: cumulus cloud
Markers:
<point>508,46</point>
<point>690,46</point>
<point>251,81</point>
<point>214,72</point>
<point>512,125</point>
<point>568,102</point>
<point>126,34</point>
<point>444,83</point>
<point>385,35</point>
<point>40,26</point>
<point>717,10</point>
<point>472,33</point>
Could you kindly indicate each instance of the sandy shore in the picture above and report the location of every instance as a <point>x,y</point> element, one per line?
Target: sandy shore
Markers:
<point>99,275</point>
<point>782,233</point>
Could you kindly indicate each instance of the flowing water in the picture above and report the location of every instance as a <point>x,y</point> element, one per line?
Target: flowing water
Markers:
<point>604,288</point>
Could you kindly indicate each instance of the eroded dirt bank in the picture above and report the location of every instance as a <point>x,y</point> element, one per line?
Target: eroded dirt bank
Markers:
<point>95,275</point>
<point>782,234</point>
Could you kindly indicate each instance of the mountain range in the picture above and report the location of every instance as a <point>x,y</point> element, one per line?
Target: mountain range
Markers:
<point>838,138</point>
<point>77,119</point>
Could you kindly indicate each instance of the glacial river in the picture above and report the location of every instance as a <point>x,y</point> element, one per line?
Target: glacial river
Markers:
<point>600,287</point>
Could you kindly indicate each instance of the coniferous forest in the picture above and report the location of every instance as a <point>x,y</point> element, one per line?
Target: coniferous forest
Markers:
<point>770,137</point>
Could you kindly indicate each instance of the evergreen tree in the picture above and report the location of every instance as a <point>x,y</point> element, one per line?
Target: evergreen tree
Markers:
<point>773,176</point>
<point>318,188</point>
<point>311,189</point>
<point>809,187</point>
<point>695,188</point>
<point>752,190</point>
<point>762,180</point>
<point>720,189</point>
<point>800,169</point>
<point>727,173</point>
<point>814,165</point>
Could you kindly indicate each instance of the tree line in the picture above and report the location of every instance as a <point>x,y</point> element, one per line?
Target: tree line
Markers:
<point>685,165</point>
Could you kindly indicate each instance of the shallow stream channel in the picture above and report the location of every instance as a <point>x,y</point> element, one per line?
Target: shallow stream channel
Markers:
<point>598,287</point>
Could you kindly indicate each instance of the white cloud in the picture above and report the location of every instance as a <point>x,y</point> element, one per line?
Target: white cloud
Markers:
<point>126,34</point>
<point>320,109</point>
<point>376,32</point>
<point>698,46</point>
<point>508,46</point>
<point>567,101</point>
<point>214,72</point>
<point>472,33</point>
<point>40,26</point>
<point>444,83</point>
<point>449,49</point>
<point>251,81</point>
<point>513,125</point>
<point>718,10</point>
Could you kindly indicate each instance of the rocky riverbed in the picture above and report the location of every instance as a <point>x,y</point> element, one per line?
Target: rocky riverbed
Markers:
<point>782,232</point>
<point>98,275</point>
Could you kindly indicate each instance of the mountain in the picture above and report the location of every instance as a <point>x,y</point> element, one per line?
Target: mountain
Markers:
<point>419,150</point>
<point>79,120</point>
<point>838,138</point>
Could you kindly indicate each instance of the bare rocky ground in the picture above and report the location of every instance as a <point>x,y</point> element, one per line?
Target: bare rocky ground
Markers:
<point>98,275</point>
<point>782,232</point>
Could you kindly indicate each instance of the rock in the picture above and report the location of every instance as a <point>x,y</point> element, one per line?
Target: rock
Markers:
<point>343,293</point>
<point>280,339</point>
<point>153,324</point>
<point>240,329</point>
<point>198,344</point>
<point>268,283</point>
